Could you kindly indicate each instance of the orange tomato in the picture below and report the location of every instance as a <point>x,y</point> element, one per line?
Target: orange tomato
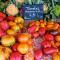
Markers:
<point>58,29</point>
<point>53,43</point>
<point>11,23</point>
<point>10,32</point>
<point>57,44</point>
<point>32,23</point>
<point>21,25</point>
<point>49,26</point>
<point>56,57</point>
<point>42,25</point>
<point>37,23</point>
<point>23,48</point>
<point>56,25</point>
<point>50,22</point>
<point>30,42</point>
<point>24,37</point>
<point>15,28</point>
<point>57,38</point>
<point>37,28</point>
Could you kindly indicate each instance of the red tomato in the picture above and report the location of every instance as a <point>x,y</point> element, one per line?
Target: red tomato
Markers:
<point>4,25</point>
<point>42,31</point>
<point>46,44</point>
<point>32,29</point>
<point>10,18</point>
<point>49,37</point>
<point>15,56</point>
<point>38,54</point>
<point>49,51</point>
<point>2,15</point>
<point>14,47</point>
<point>35,35</point>
<point>1,19</point>
<point>2,33</point>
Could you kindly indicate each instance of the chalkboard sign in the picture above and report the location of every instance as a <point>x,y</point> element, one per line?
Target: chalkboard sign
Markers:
<point>32,12</point>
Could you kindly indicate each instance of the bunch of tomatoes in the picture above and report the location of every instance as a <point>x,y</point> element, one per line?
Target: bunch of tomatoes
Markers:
<point>40,41</point>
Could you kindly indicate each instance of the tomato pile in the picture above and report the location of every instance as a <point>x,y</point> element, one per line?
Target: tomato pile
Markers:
<point>40,41</point>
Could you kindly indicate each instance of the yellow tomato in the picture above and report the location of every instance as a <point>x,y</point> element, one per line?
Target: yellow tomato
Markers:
<point>7,40</point>
<point>10,32</point>
<point>15,28</point>
<point>21,25</point>
<point>19,20</point>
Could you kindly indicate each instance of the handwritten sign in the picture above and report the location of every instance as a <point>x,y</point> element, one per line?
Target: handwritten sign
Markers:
<point>32,12</point>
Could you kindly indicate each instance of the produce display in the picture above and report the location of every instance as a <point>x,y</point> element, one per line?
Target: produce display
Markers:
<point>39,40</point>
<point>34,39</point>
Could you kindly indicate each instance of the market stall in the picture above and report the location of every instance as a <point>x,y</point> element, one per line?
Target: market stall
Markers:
<point>29,30</point>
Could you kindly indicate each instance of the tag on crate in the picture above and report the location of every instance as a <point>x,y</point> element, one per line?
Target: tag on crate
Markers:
<point>33,12</point>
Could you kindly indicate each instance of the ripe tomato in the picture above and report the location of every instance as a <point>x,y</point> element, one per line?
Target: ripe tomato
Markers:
<point>57,38</point>
<point>15,56</point>
<point>42,31</point>
<point>24,37</point>
<point>32,29</point>
<point>56,57</point>
<point>30,42</point>
<point>49,37</point>
<point>49,51</point>
<point>46,44</point>
<point>38,54</point>
<point>35,34</point>
<point>2,15</point>
<point>14,47</point>
<point>23,48</point>
<point>29,56</point>
<point>10,18</point>
<point>1,19</point>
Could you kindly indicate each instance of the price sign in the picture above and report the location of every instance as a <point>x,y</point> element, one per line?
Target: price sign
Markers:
<point>32,12</point>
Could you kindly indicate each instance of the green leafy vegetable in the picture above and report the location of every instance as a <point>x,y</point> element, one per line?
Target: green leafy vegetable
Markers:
<point>56,10</point>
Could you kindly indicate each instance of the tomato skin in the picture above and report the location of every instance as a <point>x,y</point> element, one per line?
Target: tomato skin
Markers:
<point>10,18</point>
<point>32,29</point>
<point>35,35</point>
<point>1,19</point>
<point>15,56</point>
<point>14,47</point>
<point>4,25</point>
<point>46,44</point>
<point>49,51</point>
<point>42,31</point>
<point>57,38</point>
<point>23,48</point>
<point>38,54</point>
<point>2,33</point>
<point>49,37</point>
<point>2,15</point>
